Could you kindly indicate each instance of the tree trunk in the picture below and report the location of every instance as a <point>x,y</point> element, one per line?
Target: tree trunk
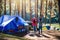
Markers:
<point>22,8</point>
<point>46,12</point>
<point>36,8</point>
<point>4,7</point>
<point>41,8</point>
<point>30,9</point>
<point>0,7</point>
<point>50,11</point>
<point>10,6</point>
<point>18,6</point>
<point>59,12</point>
<point>25,9</point>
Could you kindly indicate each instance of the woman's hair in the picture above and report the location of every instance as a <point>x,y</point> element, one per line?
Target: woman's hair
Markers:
<point>40,19</point>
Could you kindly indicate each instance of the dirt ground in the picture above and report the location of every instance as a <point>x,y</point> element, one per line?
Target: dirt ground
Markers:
<point>46,35</point>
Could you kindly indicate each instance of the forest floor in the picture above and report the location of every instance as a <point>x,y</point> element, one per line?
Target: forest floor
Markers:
<point>46,35</point>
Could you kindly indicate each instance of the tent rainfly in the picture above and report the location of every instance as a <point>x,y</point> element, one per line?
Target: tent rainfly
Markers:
<point>12,24</point>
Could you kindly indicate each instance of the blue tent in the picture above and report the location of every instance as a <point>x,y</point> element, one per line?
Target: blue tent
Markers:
<point>20,21</point>
<point>3,19</point>
<point>0,20</point>
<point>7,23</point>
<point>10,24</point>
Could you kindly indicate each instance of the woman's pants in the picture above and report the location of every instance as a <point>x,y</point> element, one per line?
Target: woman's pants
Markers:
<point>34,28</point>
<point>40,29</point>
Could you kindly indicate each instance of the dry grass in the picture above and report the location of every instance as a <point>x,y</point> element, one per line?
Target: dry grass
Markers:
<point>10,37</point>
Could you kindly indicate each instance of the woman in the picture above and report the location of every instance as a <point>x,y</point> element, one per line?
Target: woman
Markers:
<point>40,25</point>
<point>34,24</point>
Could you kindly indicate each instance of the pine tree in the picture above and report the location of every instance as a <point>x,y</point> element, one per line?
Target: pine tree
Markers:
<point>10,6</point>
<point>36,8</point>
<point>18,6</point>
<point>4,7</point>
<point>22,9</point>
<point>46,12</point>
<point>59,11</point>
<point>0,7</point>
<point>30,9</point>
